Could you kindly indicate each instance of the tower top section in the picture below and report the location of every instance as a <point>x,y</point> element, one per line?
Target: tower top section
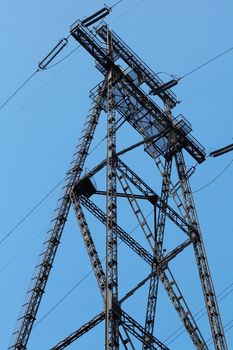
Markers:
<point>132,79</point>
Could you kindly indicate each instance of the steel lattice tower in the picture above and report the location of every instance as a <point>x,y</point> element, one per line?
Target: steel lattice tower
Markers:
<point>166,140</point>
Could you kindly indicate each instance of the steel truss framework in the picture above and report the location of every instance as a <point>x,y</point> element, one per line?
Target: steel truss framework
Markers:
<point>165,139</point>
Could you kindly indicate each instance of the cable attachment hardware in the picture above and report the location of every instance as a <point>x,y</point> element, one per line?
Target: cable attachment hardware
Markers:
<point>222,150</point>
<point>164,87</point>
<point>97,16</point>
<point>53,53</point>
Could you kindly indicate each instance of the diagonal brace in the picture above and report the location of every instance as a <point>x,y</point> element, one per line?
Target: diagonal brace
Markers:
<point>158,201</point>
<point>123,235</point>
<point>138,331</point>
<point>78,333</point>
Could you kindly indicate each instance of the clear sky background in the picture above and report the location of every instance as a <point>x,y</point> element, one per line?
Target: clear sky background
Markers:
<point>40,128</point>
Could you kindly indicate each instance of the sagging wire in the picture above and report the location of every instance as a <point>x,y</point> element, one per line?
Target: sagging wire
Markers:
<point>217,153</point>
<point>214,179</point>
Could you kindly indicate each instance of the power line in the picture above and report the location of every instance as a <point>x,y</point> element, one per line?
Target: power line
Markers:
<point>196,314</point>
<point>64,297</point>
<point>18,89</point>
<point>11,97</point>
<point>38,91</point>
<point>206,63</point>
<point>21,251</point>
<point>46,67</point>
<point>50,57</point>
<point>116,4</point>
<point>53,189</point>
<point>202,309</point>
<point>215,179</point>
<point>30,212</point>
<point>68,55</point>
<point>210,340</point>
<point>127,11</point>
<point>91,271</point>
<point>207,87</point>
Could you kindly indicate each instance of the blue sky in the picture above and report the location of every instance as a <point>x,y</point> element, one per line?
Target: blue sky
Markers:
<point>41,126</point>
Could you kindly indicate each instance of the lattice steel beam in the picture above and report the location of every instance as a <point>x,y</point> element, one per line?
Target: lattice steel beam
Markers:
<point>138,331</point>
<point>167,280</point>
<point>137,210</point>
<point>94,259</point>
<point>122,234</point>
<point>159,237</point>
<point>160,204</point>
<point>123,92</point>
<point>90,246</point>
<point>111,297</point>
<point>201,259</point>
<point>78,333</point>
<point>40,277</point>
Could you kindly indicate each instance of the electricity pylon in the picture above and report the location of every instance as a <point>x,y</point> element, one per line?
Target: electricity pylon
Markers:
<point>166,140</point>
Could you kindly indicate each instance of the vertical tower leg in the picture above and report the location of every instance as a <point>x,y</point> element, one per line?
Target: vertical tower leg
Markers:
<point>201,259</point>
<point>111,322</point>
<point>40,277</point>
